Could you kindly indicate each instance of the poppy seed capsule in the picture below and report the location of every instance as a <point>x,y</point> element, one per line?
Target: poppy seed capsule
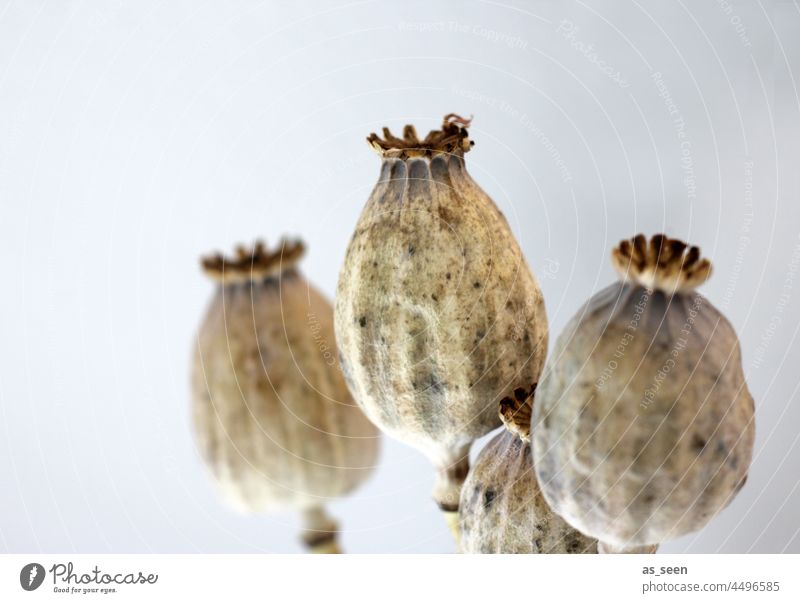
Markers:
<point>273,418</point>
<point>437,313</point>
<point>643,423</point>
<point>502,509</point>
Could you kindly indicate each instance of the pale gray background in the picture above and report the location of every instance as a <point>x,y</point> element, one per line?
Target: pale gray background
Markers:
<point>136,135</point>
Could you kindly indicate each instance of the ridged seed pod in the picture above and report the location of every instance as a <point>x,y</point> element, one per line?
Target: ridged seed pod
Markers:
<point>643,423</point>
<point>438,316</point>
<point>273,418</point>
<point>502,509</point>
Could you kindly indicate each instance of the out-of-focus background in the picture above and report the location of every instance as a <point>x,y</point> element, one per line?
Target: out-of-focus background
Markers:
<point>135,136</point>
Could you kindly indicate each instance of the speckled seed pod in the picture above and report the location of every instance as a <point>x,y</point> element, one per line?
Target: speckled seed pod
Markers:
<point>438,316</point>
<point>502,509</point>
<point>643,423</point>
<point>273,418</point>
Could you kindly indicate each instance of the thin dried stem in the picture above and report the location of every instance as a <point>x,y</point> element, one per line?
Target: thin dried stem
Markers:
<point>320,532</point>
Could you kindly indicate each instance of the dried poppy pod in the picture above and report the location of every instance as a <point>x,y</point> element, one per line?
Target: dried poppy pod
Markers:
<point>502,509</point>
<point>273,418</point>
<point>643,424</point>
<point>438,316</point>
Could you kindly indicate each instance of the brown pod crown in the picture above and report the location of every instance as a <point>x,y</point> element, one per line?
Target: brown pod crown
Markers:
<point>665,264</point>
<point>516,411</point>
<point>255,264</point>
<point>451,138</point>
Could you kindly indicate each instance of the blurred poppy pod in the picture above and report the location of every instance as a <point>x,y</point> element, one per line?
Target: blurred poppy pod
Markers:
<point>273,418</point>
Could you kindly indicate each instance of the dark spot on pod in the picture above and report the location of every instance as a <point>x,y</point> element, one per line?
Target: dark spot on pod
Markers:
<point>448,276</point>
<point>435,384</point>
<point>411,250</point>
<point>433,297</point>
<point>476,284</point>
<point>698,443</point>
<point>362,321</point>
<point>537,545</point>
<point>488,498</point>
<point>445,217</point>
<point>374,264</point>
<point>574,546</point>
<point>539,527</point>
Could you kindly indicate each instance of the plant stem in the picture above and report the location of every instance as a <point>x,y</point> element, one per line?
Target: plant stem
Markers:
<point>452,519</point>
<point>450,476</point>
<point>320,531</point>
<point>605,548</point>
